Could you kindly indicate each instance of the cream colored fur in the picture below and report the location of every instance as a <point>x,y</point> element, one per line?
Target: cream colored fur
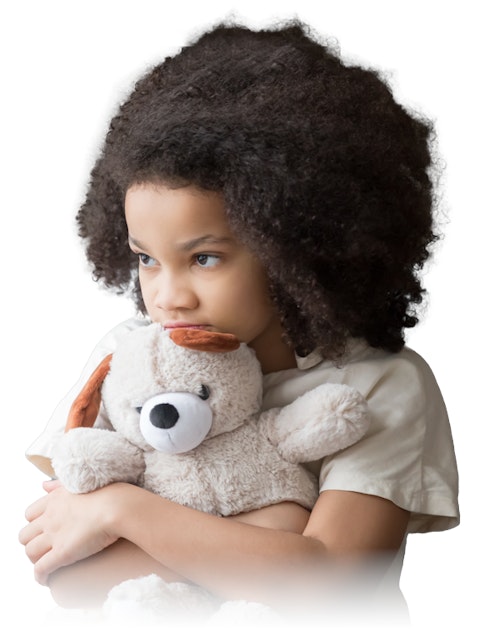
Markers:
<point>247,460</point>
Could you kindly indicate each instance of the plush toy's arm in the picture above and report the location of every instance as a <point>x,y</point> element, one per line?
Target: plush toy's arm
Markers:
<point>323,421</point>
<point>86,459</point>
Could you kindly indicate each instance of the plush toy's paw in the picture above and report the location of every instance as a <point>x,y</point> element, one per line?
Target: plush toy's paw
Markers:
<point>86,459</point>
<point>321,422</point>
<point>151,600</point>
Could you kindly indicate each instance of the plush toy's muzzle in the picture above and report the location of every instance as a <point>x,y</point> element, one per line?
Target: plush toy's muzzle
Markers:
<point>175,422</point>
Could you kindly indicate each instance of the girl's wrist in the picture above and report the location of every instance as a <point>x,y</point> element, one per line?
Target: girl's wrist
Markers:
<point>121,504</point>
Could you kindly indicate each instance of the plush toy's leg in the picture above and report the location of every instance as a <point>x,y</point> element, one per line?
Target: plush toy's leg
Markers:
<point>151,600</point>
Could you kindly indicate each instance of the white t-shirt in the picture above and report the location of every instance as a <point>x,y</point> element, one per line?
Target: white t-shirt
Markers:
<point>407,456</point>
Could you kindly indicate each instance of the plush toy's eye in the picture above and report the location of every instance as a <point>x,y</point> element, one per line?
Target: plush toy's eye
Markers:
<point>204,392</point>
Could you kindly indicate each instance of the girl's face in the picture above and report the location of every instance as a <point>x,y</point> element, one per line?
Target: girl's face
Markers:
<point>193,272</point>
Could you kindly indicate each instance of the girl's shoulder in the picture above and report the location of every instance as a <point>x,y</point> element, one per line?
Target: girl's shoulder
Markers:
<point>111,339</point>
<point>39,452</point>
<point>371,371</point>
<point>407,455</point>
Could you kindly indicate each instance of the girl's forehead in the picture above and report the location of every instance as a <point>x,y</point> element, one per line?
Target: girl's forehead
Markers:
<point>188,216</point>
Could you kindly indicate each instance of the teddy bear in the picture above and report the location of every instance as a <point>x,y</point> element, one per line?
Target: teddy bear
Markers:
<point>186,423</point>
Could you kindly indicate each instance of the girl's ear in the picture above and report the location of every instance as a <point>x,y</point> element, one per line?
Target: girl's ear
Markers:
<point>85,408</point>
<point>200,340</point>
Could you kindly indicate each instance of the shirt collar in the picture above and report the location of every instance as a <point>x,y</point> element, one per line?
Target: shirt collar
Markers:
<point>354,348</point>
<point>313,359</point>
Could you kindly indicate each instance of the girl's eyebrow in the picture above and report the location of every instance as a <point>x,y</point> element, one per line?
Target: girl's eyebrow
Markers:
<point>137,244</point>
<point>207,239</point>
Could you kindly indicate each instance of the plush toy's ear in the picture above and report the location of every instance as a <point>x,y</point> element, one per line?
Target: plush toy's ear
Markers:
<point>200,340</point>
<point>85,408</point>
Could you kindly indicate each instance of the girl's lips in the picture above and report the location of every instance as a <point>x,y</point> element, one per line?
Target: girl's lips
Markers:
<point>183,325</point>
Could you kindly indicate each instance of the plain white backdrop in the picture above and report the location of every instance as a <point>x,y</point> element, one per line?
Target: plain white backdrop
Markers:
<point>64,68</point>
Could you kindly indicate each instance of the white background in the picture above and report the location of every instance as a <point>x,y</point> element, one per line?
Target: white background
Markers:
<point>65,66</point>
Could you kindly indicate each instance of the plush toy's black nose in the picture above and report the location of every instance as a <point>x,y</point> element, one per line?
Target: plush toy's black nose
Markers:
<point>164,415</point>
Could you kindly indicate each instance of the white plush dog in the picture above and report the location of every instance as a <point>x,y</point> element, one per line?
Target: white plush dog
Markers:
<point>185,408</point>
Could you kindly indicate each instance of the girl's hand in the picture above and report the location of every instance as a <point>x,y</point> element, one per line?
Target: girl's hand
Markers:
<point>64,528</point>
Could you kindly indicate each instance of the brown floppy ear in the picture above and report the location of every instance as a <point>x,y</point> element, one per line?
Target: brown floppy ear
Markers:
<point>200,340</point>
<point>85,408</point>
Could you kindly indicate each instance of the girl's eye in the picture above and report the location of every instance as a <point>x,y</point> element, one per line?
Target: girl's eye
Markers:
<point>146,261</point>
<point>207,260</point>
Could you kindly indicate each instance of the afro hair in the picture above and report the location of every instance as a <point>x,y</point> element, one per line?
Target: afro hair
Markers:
<point>324,176</point>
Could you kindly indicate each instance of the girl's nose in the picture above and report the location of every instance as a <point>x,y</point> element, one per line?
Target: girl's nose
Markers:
<point>174,292</point>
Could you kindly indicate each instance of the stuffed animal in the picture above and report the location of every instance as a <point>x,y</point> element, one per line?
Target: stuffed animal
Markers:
<point>185,409</point>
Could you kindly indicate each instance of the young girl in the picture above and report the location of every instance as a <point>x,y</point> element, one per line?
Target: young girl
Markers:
<point>256,184</point>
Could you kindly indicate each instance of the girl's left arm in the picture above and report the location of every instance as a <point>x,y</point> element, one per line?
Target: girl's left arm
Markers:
<point>229,557</point>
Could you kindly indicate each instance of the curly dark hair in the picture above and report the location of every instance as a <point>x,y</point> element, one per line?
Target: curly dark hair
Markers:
<point>324,176</point>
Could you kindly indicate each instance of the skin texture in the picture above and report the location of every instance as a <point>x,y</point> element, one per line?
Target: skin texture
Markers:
<point>232,558</point>
<point>193,271</point>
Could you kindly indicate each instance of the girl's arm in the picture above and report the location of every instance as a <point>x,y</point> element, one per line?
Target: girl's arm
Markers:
<point>239,560</point>
<point>227,556</point>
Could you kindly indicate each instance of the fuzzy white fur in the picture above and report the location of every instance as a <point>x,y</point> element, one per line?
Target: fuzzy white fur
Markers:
<point>246,460</point>
<point>149,601</point>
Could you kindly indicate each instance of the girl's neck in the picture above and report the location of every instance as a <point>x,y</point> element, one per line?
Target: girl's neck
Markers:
<point>272,352</point>
<point>281,360</point>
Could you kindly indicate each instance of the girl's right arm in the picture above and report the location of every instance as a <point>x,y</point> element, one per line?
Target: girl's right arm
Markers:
<point>232,559</point>
<point>87,583</point>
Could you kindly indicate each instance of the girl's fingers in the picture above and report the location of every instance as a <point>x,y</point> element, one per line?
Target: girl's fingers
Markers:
<point>62,529</point>
<point>42,569</point>
<point>36,509</point>
<point>50,485</point>
<point>48,563</point>
<point>29,532</point>
<point>37,548</point>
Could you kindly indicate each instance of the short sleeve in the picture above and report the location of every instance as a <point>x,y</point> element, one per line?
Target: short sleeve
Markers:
<point>39,452</point>
<point>407,456</point>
